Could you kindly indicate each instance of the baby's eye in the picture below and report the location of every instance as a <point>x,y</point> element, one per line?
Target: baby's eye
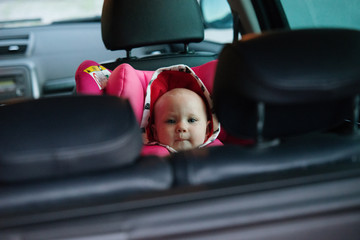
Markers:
<point>170,121</point>
<point>192,120</point>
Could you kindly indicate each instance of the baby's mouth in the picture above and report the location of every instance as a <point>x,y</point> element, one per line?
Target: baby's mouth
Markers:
<point>181,139</point>
<point>182,144</point>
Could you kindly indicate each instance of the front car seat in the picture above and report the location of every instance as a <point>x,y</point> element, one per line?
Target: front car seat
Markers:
<point>126,25</point>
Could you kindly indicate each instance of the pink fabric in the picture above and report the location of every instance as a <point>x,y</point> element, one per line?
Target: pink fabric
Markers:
<point>85,84</point>
<point>131,84</point>
<point>154,150</point>
<point>162,151</point>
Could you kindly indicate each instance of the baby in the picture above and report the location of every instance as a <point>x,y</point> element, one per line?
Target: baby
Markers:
<point>180,120</point>
<point>177,112</point>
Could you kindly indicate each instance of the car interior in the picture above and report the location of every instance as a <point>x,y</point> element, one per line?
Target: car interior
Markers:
<point>289,111</point>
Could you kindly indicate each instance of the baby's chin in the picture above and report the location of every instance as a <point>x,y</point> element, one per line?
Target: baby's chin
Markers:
<point>182,145</point>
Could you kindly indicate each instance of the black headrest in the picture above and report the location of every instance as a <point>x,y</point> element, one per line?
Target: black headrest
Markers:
<point>66,135</point>
<point>128,24</point>
<point>294,81</point>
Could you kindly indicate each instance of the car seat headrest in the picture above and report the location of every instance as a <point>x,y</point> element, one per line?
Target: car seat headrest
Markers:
<point>130,24</point>
<point>77,135</point>
<point>287,82</point>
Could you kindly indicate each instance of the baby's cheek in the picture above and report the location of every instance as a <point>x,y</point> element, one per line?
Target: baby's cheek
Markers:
<point>200,136</point>
<point>166,136</point>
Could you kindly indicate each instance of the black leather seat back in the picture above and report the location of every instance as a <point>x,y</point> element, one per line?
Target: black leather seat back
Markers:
<point>137,23</point>
<point>131,24</point>
<point>288,82</point>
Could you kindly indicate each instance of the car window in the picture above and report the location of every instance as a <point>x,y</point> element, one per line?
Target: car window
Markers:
<point>218,20</point>
<point>23,13</point>
<point>322,13</point>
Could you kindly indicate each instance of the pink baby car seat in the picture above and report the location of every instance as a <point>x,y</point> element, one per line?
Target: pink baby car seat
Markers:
<point>127,82</point>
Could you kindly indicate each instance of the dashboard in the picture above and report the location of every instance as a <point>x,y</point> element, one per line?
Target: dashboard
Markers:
<point>41,61</point>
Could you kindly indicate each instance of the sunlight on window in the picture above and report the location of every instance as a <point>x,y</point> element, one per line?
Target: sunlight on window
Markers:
<point>17,13</point>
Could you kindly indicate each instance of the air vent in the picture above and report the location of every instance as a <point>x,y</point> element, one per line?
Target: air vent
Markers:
<point>13,49</point>
<point>14,44</point>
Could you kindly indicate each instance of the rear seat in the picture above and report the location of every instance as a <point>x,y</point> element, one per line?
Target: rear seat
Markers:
<point>289,101</point>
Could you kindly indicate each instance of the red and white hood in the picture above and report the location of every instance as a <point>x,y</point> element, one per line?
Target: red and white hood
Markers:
<point>162,81</point>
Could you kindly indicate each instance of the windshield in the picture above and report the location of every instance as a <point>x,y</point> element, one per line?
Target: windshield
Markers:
<point>22,13</point>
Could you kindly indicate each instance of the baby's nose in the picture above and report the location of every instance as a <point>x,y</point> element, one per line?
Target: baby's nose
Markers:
<point>181,127</point>
<point>181,130</point>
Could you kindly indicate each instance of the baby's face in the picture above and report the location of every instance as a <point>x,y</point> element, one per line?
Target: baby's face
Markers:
<point>180,119</point>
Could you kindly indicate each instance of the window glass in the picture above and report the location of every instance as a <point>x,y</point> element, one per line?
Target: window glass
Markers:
<point>218,20</point>
<point>322,13</point>
<point>216,13</point>
<point>20,13</point>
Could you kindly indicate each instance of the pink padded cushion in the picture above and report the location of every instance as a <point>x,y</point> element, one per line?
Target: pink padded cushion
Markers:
<point>85,83</point>
<point>129,83</point>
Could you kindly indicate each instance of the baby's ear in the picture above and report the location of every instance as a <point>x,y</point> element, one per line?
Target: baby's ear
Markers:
<point>208,129</point>
<point>154,132</point>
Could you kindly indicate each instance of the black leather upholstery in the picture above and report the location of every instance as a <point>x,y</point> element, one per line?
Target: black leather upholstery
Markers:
<point>129,24</point>
<point>304,155</point>
<point>137,23</point>
<point>54,137</point>
<point>34,197</point>
<point>305,79</point>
